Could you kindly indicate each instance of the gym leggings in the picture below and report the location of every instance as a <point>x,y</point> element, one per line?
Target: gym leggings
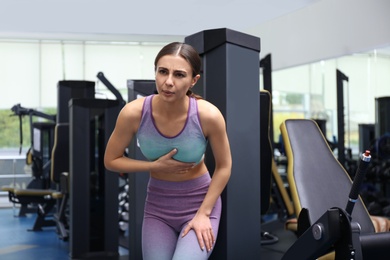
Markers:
<point>169,207</point>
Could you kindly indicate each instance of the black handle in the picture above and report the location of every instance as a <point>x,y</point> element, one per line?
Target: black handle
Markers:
<point>358,180</point>
<point>111,87</point>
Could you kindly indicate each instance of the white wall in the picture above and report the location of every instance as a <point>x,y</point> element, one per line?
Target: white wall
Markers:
<point>30,70</point>
<point>322,30</point>
<point>325,29</point>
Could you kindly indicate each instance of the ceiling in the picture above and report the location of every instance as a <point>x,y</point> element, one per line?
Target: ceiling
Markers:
<point>144,20</point>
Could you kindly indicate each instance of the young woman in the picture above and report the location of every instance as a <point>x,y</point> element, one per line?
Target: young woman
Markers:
<point>173,127</point>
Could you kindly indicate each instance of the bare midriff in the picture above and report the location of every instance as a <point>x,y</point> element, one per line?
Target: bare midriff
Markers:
<point>195,172</point>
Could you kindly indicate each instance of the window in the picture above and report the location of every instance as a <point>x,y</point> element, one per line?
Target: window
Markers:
<point>31,69</point>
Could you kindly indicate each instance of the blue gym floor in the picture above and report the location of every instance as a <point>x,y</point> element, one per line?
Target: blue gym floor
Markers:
<point>17,243</point>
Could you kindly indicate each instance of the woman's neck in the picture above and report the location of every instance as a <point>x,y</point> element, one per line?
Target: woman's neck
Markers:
<point>170,109</point>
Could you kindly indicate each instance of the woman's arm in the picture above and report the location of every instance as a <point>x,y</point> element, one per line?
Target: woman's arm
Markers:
<point>214,127</point>
<point>125,130</point>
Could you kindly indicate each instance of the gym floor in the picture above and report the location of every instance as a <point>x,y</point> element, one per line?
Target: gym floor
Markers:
<point>17,243</point>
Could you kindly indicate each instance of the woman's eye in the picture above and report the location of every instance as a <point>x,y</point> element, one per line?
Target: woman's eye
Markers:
<point>163,72</point>
<point>180,75</point>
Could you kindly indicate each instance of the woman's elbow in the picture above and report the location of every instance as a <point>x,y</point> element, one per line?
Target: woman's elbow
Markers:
<point>108,163</point>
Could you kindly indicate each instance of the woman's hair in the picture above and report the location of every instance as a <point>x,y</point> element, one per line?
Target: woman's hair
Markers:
<point>185,51</point>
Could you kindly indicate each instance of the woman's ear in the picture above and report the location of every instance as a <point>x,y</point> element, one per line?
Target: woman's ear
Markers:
<point>194,80</point>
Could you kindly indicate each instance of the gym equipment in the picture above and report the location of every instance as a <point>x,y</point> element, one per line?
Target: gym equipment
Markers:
<point>137,181</point>
<point>266,65</point>
<point>38,156</point>
<point>22,111</point>
<point>317,182</point>
<point>61,169</point>
<point>123,208</point>
<point>92,191</point>
<point>111,87</point>
<point>279,193</point>
<point>230,80</point>
<point>322,125</point>
<point>66,91</point>
<point>377,137</point>
<point>382,121</point>
<point>60,172</point>
<point>123,211</point>
<point>366,136</point>
<point>266,158</point>
<point>69,89</point>
<point>93,194</point>
<point>39,153</point>
<point>266,152</point>
<point>344,155</point>
<point>340,78</point>
<point>45,148</point>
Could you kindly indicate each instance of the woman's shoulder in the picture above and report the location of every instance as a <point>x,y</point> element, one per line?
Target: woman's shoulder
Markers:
<point>138,102</point>
<point>207,110</point>
<point>134,107</point>
<point>206,106</point>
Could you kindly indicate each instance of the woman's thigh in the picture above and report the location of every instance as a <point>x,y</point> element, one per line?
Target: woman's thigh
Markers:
<point>158,240</point>
<point>188,247</point>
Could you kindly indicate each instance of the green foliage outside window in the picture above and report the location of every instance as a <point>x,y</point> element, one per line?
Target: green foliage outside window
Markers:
<point>10,128</point>
<point>294,99</point>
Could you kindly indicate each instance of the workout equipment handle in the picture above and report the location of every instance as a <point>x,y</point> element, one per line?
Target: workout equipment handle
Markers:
<point>21,111</point>
<point>365,159</point>
<point>108,84</point>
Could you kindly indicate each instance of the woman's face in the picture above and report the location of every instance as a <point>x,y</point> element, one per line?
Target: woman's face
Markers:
<point>174,77</point>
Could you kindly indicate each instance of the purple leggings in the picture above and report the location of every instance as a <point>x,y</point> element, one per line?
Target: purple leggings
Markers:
<point>169,207</point>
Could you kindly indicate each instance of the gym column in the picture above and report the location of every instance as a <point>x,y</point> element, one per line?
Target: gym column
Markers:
<point>93,198</point>
<point>230,80</point>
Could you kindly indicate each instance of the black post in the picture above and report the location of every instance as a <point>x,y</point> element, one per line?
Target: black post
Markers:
<point>382,116</point>
<point>266,65</point>
<point>230,81</point>
<point>340,117</point>
<point>93,189</point>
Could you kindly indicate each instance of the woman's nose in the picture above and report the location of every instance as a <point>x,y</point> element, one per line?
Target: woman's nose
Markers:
<point>169,80</point>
